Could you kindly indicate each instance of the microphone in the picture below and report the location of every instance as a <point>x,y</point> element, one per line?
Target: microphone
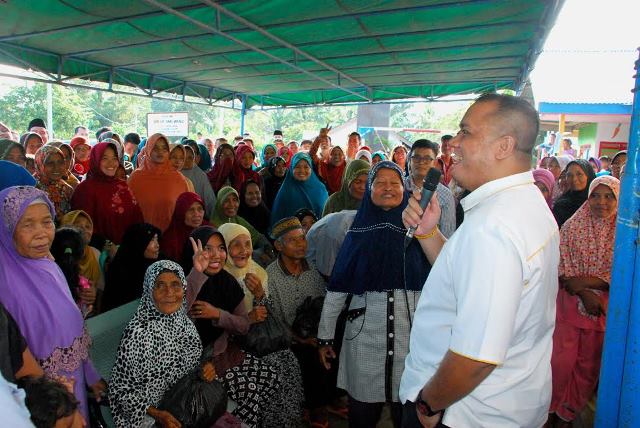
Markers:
<point>428,187</point>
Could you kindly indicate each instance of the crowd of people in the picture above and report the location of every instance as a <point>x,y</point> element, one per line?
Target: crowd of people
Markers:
<point>503,289</point>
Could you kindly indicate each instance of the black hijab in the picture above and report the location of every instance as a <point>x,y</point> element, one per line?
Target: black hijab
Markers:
<point>257,217</point>
<point>567,204</point>
<point>272,183</point>
<point>220,290</point>
<point>125,276</point>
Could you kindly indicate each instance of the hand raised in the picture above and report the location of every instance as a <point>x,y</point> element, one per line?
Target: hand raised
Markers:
<point>200,257</point>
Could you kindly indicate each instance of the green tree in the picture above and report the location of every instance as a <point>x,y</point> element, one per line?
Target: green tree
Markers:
<point>24,103</point>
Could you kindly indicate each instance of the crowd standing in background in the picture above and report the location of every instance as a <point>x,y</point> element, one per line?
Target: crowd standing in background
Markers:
<point>282,274</point>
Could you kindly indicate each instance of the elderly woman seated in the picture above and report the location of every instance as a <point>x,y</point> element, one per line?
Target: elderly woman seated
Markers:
<point>35,293</point>
<point>159,346</point>
<point>216,302</point>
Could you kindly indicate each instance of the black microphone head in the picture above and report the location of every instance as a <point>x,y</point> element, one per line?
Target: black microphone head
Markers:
<point>432,179</point>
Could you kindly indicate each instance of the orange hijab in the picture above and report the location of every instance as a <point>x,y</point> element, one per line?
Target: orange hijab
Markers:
<point>156,187</point>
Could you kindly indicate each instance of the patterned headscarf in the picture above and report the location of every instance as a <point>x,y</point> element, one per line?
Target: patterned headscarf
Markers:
<point>59,191</point>
<point>586,241</point>
<point>156,350</point>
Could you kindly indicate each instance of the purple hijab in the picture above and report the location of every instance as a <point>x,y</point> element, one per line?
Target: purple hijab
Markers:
<point>34,291</point>
<point>545,177</point>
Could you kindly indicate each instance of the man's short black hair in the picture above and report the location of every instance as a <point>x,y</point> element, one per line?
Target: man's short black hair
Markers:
<point>132,138</point>
<point>75,131</point>
<point>101,130</point>
<point>517,118</point>
<point>277,132</point>
<point>424,144</point>
<point>47,400</point>
<point>446,138</point>
<point>37,122</point>
<point>356,134</point>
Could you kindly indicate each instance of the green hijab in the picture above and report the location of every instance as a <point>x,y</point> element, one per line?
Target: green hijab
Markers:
<point>218,218</point>
<point>342,200</point>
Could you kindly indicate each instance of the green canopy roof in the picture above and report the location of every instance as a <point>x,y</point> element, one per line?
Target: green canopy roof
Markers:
<point>281,52</point>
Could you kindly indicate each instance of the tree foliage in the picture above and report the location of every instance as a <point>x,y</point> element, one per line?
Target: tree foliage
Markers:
<point>128,113</point>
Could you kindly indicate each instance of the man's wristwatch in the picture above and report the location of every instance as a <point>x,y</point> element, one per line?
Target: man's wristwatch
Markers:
<point>424,408</point>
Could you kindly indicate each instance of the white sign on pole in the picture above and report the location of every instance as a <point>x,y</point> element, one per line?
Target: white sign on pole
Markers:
<point>174,124</point>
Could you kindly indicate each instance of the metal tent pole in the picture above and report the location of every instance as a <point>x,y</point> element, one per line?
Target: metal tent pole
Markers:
<point>618,404</point>
<point>243,113</point>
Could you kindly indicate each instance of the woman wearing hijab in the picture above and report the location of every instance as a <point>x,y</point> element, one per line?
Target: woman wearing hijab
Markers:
<point>82,150</point>
<point>301,189</point>
<point>199,179</point>
<point>177,156</point>
<point>243,167</point>
<point>216,303</point>
<point>269,151</point>
<point>285,153</point>
<point>31,142</point>
<point>14,152</point>
<point>378,156</point>
<point>618,161</point>
<point>123,280</point>
<point>595,164</point>
<point>586,257</point>
<point>69,159</point>
<point>252,207</point>
<point>157,173</point>
<point>364,155</point>
<point>89,263</point>
<point>286,408</point>
<point>331,170</point>
<point>545,181</point>
<point>223,168</point>
<point>35,292</point>
<point>381,303</point>
<point>579,176</point>
<point>205,158</point>
<point>557,166</point>
<point>107,200</point>
<point>352,191</point>
<point>188,215</point>
<point>49,172</point>
<point>277,170</point>
<point>226,211</point>
<point>159,328</point>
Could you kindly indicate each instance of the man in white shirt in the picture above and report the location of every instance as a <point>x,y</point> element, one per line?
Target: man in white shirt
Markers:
<point>481,340</point>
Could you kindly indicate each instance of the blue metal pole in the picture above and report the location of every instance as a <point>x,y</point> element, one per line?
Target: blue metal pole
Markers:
<point>243,113</point>
<point>618,404</point>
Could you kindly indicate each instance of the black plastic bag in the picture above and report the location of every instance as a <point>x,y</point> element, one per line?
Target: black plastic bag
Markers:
<point>305,325</point>
<point>263,338</point>
<point>195,402</point>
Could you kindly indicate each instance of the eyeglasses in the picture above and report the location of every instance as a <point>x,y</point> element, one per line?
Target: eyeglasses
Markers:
<point>422,159</point>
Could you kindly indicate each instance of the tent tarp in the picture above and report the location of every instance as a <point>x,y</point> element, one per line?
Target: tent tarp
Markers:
<point>281,52</point>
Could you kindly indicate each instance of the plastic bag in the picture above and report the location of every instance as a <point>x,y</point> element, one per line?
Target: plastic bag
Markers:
<point>195,402</point>
<point>305,325</point>
<point>265,337</point>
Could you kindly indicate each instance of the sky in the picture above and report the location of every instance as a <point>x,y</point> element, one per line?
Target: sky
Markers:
<point>590,52</point>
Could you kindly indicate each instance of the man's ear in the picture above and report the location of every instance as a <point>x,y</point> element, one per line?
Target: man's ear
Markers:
<point>278,245</point>
<point>506,147</point>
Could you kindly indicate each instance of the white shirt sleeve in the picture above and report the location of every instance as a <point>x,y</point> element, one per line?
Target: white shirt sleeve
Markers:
<point>488,290</point>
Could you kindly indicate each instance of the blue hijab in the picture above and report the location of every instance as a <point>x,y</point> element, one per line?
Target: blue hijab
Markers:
<point>205,158</point>
<point>295,194</point>
<point>370,258</point>
<point>134,161</point>
<point>264,163</point>
<point>14,175</point>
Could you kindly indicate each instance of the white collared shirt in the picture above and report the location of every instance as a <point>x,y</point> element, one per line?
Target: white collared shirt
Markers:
<point>491,297</point>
